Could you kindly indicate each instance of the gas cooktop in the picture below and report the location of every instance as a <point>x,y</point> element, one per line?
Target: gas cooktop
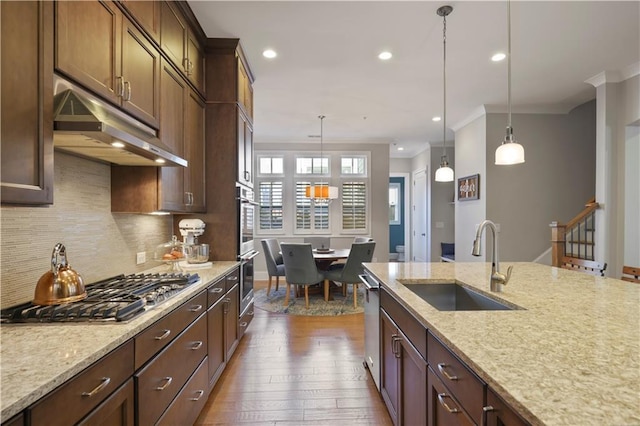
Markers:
<point>119,298</point>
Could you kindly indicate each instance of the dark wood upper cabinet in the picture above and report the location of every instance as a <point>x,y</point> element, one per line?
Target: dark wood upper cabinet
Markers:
<point>147,14</point>
<point>26,135</point>
<point>101,49</point>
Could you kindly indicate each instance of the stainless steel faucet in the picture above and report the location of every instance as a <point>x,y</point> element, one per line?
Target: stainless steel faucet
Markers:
<point>497,279</point>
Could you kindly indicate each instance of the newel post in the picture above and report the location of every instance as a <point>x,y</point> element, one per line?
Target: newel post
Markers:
<point>557,243</point>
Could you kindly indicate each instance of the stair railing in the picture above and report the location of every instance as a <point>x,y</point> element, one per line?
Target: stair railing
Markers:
<point>575,238</point>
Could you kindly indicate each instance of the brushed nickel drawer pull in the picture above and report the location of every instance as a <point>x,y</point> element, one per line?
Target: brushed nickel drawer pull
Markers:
<point>164,335</point>
<point>244,324</point>
<point>103,384</point>
<point>200,393</point>
<point>197,346</point>
<point>441,367</point>
<point>169,380</point>
<point>235,279</point>
<point>216,290</point>
<point>195,308</point>
<point>441,397</point>
<point>127,91</point>
<point>394,347</point>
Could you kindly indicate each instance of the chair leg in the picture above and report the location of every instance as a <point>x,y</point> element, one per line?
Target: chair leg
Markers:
<point>306,296</point>
<point>344,289</point>
<point>277,282</point>
<point>286,297</point>
<point>269,286</point>
<point>326,290</point>
<point>355,295</point>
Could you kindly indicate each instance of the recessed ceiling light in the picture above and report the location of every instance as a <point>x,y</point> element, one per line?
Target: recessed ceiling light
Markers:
<point>385,56</point>
<point>269,53</point>
<point>498,57</point>
<point>400,148</point>
<point>436,118</point>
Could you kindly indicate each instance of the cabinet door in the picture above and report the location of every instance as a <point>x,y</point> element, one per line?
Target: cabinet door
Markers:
<point>499,413</point>
<point>389,379</point>
<point>88,38</point>
<point>141,75</point>
<point>216,342</point>
<point>117,410</point>
<point>26,127</point>
<point>173,34</point>
<point>195,65</point>
<point>195,152</point>
<point>231,321</point>
<point>172,107</point>
<point>444,409</point>
<point>413,384</point>
<point>147,14</point>
<point>245,150</point>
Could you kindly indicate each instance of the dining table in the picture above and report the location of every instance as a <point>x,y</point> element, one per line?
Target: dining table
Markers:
<point>324,258</point>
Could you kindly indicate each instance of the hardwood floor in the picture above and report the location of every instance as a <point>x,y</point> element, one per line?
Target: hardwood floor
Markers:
<point>296,370</point>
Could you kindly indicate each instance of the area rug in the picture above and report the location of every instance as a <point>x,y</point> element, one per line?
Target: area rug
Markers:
<point>317,306</point>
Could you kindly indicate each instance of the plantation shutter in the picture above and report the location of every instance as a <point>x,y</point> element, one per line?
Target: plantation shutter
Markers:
<point>354,205</point>
<point>303,206</point>
<point>270,200</point>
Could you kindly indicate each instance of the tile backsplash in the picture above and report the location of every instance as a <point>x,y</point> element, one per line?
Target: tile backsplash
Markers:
<point>99,244</point>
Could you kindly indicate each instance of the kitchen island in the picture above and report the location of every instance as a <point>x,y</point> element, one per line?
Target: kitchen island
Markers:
<point>35,359</point>
<point>570,356</point>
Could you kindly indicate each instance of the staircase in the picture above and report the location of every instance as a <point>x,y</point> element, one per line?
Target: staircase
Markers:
<point>575,238</point>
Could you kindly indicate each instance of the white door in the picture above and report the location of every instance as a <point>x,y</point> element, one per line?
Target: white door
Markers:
<point>419,217</point>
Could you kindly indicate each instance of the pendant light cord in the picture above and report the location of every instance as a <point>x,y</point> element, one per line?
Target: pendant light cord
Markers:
<point>444,78</point>
<point>509,59</point>
<point>321,117</point>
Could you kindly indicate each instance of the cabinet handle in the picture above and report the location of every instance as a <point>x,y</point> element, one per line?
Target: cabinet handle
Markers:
<point>441,367</point>
<point>120,84</point>
<point>247,175</point>
<point>190,67</point>
<point>127,91</point>
<point>163,335</point>
<point>232,278</point>
<point>195,308</point>
<point>197,346</point>
<point>191,198</point>
<point>441,397</point>
<point>394,340</point>
<point>243,324</point>
<point>199,393</point>
<point>215,290</point>
<point>103,384</point>
<point>485,410</point>
<point>169,380</point>
<point>250,313</point>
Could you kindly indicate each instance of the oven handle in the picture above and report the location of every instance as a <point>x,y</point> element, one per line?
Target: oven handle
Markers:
<point>248,201</point>
<point>365,280</point>
<point>249,256</point>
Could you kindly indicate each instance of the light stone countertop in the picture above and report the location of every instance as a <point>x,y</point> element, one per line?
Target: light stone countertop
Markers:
<point>571,357</point>
<point>37,358</point>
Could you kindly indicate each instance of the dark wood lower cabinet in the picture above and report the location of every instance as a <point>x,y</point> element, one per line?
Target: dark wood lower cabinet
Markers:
<point>444,409</point>
<point>215,337</point>
<point>404,376</point>
<point>499,413</point>
<point>186,407</point>
<point>117,410</point>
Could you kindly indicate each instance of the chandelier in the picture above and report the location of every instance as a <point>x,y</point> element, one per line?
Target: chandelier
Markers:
<point>321,193</point>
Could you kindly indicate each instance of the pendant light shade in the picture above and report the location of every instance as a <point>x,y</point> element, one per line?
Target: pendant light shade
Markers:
<point>444,172</point>
<point>510,152</point>
<point>321,193</point>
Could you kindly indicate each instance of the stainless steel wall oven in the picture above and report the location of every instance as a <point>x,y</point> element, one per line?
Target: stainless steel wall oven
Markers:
<point>246,251</point>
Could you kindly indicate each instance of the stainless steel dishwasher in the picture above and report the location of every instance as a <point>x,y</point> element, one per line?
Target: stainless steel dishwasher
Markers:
<point>372,326</point>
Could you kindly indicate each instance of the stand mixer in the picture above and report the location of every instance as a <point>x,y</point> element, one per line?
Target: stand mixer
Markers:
<point>191,229</point>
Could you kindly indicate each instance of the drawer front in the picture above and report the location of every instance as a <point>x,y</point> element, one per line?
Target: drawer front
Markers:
<point>160,334</point>
<point>232,279</point>
<point>245,320</point>
<point>457,377</point>
<point>117,410</point>
<point>160,381</point>
<point>444,409</point>
<point>215,291</point>
<point>184,410</point>
<point>410,326</point>
<point>85,391</point>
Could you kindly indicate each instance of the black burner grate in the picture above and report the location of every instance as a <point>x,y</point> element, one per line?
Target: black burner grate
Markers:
<point>119,298</point>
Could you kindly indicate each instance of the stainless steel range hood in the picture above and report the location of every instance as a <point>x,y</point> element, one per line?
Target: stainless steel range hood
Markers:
<point>90,127</point>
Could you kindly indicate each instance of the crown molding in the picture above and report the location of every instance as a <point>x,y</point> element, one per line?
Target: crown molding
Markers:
<point>614,76</point>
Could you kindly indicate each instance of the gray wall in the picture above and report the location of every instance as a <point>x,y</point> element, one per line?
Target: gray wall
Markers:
<point>99,244</point>
<point>442,204</point>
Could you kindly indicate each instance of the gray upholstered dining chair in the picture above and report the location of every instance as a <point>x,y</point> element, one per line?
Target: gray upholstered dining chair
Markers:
<point>273,258</point>
<point>348,272</point>
<point>362,239</point>
<point>318,242</point>
<point>300,268</point>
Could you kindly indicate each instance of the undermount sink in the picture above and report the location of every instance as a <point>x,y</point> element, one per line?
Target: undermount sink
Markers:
<point>454,297</point>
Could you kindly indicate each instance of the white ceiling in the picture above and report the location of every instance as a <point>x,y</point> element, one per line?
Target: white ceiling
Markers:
<point>327,62</point>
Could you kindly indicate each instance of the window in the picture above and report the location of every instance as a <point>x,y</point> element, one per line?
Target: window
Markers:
<point>312,166</point>
<point>394,203</point>
<point>270,199</point>
<point>270,166</point>
<point>310,217</point>
<point>354,205</point>
<point>353,166</point>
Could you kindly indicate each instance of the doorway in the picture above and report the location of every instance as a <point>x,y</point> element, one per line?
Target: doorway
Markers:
<point>419,246</point>
<point>399,214</point>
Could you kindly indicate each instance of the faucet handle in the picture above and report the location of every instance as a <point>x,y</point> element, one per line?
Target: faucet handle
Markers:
<point>506,280</point>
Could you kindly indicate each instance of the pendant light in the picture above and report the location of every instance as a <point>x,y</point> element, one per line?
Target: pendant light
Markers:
<point>444,172</point>
<point>510,151</point>
<point>321,194</point>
